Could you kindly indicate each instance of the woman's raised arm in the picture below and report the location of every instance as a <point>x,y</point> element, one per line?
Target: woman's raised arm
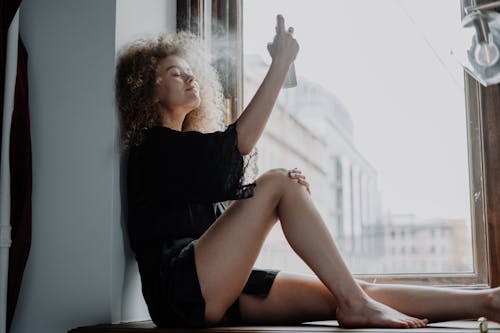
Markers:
<point>252,121</point>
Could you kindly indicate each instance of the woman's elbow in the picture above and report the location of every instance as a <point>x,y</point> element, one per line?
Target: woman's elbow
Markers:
<point>245,144</point>
<point>244,149</point>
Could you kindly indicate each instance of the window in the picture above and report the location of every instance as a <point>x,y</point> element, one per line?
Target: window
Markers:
<point>409,139</point>
<point>361,195</point>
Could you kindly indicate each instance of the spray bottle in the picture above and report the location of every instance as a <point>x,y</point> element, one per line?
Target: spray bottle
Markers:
<point>291,79</point>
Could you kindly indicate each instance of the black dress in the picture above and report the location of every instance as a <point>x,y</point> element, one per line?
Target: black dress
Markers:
<point>177,183</point>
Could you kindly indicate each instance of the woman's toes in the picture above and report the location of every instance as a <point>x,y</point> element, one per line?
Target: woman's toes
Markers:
<point>423,322</point>
<point>399,324</point>
<point>413,324</point>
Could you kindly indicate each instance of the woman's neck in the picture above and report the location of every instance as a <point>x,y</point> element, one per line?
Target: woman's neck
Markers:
<point>172,120</point>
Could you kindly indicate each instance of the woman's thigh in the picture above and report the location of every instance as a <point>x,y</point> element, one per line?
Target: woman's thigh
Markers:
<point>226,252</point>
<point>293,298</point>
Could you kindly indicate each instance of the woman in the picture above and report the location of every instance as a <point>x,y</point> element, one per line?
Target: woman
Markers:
<point>195,256</point>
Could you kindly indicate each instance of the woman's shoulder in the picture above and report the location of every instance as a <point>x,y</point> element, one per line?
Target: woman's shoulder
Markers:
<point>156,142</point>
<point>163,131</point>
<point>158,132</point>
<point>167,139</point>
<point>164,139</point>
<point>151,138</point>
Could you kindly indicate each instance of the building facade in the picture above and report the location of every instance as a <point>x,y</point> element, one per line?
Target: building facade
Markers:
<point>312,130</point>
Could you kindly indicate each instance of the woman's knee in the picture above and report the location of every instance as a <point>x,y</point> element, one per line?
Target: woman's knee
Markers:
<point>273,181</point>
<point>281,179</point>
<point>276,172</point>
<point>278,176</point>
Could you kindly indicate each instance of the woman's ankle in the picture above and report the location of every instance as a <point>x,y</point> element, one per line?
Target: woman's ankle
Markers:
<point>354,300</point>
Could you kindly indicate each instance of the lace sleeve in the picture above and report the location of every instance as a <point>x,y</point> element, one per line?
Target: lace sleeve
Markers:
<point>241,170</point>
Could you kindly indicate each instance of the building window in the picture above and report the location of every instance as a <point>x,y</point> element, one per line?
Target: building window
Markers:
<point>339,189</point>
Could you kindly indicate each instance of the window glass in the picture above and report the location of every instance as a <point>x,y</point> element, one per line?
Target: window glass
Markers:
<point>377,123</point>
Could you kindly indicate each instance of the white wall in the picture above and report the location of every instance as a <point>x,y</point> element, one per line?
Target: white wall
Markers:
<point>77,273</point>
<point>5,200</point>
<point>137,19</point>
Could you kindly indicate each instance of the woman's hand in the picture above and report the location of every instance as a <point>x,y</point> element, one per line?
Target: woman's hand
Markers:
<point>284,47</point>
<point>297,174</point>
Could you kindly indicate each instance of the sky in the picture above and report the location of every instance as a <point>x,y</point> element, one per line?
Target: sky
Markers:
<point>389,62</point>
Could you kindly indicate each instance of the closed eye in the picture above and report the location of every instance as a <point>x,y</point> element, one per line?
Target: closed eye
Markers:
<point>177,71</point>
<point>174,71</point>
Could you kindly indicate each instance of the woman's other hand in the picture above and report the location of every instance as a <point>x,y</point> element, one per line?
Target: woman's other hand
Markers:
<point>301,179</point>
<point>284,47</point>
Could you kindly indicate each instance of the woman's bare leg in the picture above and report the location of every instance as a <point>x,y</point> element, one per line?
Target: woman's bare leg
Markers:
<point>226,252</point>
<point>307,234</point>
<point>293,299</point>
<point>296,298</point>
<point>437,303</point>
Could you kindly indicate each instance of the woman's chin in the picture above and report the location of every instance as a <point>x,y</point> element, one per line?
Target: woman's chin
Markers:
<point>196,104</point>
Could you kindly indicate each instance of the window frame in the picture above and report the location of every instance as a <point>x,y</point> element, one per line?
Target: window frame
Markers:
<point>488,99</point>
<point>202,17</point>
<point>483,139</point>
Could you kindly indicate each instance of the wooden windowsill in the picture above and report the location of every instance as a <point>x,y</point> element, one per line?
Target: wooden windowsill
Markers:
<point>316,327</point>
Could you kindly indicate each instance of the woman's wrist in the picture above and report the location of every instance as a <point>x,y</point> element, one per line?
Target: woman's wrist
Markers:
<point>280,66</point>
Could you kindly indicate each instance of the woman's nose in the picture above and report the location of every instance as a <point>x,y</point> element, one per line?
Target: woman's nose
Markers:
<point>189,77</point>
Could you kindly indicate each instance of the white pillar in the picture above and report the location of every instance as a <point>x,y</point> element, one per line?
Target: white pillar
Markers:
<point>8,107</point>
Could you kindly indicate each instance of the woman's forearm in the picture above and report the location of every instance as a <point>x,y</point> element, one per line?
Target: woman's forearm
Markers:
<point>252,121</point>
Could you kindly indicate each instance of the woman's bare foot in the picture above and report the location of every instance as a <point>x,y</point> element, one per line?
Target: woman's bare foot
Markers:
<point>371,313</point>
<point>492,305</point>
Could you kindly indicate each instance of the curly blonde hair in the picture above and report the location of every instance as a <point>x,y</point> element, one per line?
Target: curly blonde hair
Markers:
<point>135,84</point>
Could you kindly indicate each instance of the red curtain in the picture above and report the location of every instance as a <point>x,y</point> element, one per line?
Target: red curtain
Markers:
<point>20,181</point>
<point>19,161</point>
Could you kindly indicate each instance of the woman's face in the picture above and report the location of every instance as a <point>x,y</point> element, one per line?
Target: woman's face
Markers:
<point>176,88</point>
